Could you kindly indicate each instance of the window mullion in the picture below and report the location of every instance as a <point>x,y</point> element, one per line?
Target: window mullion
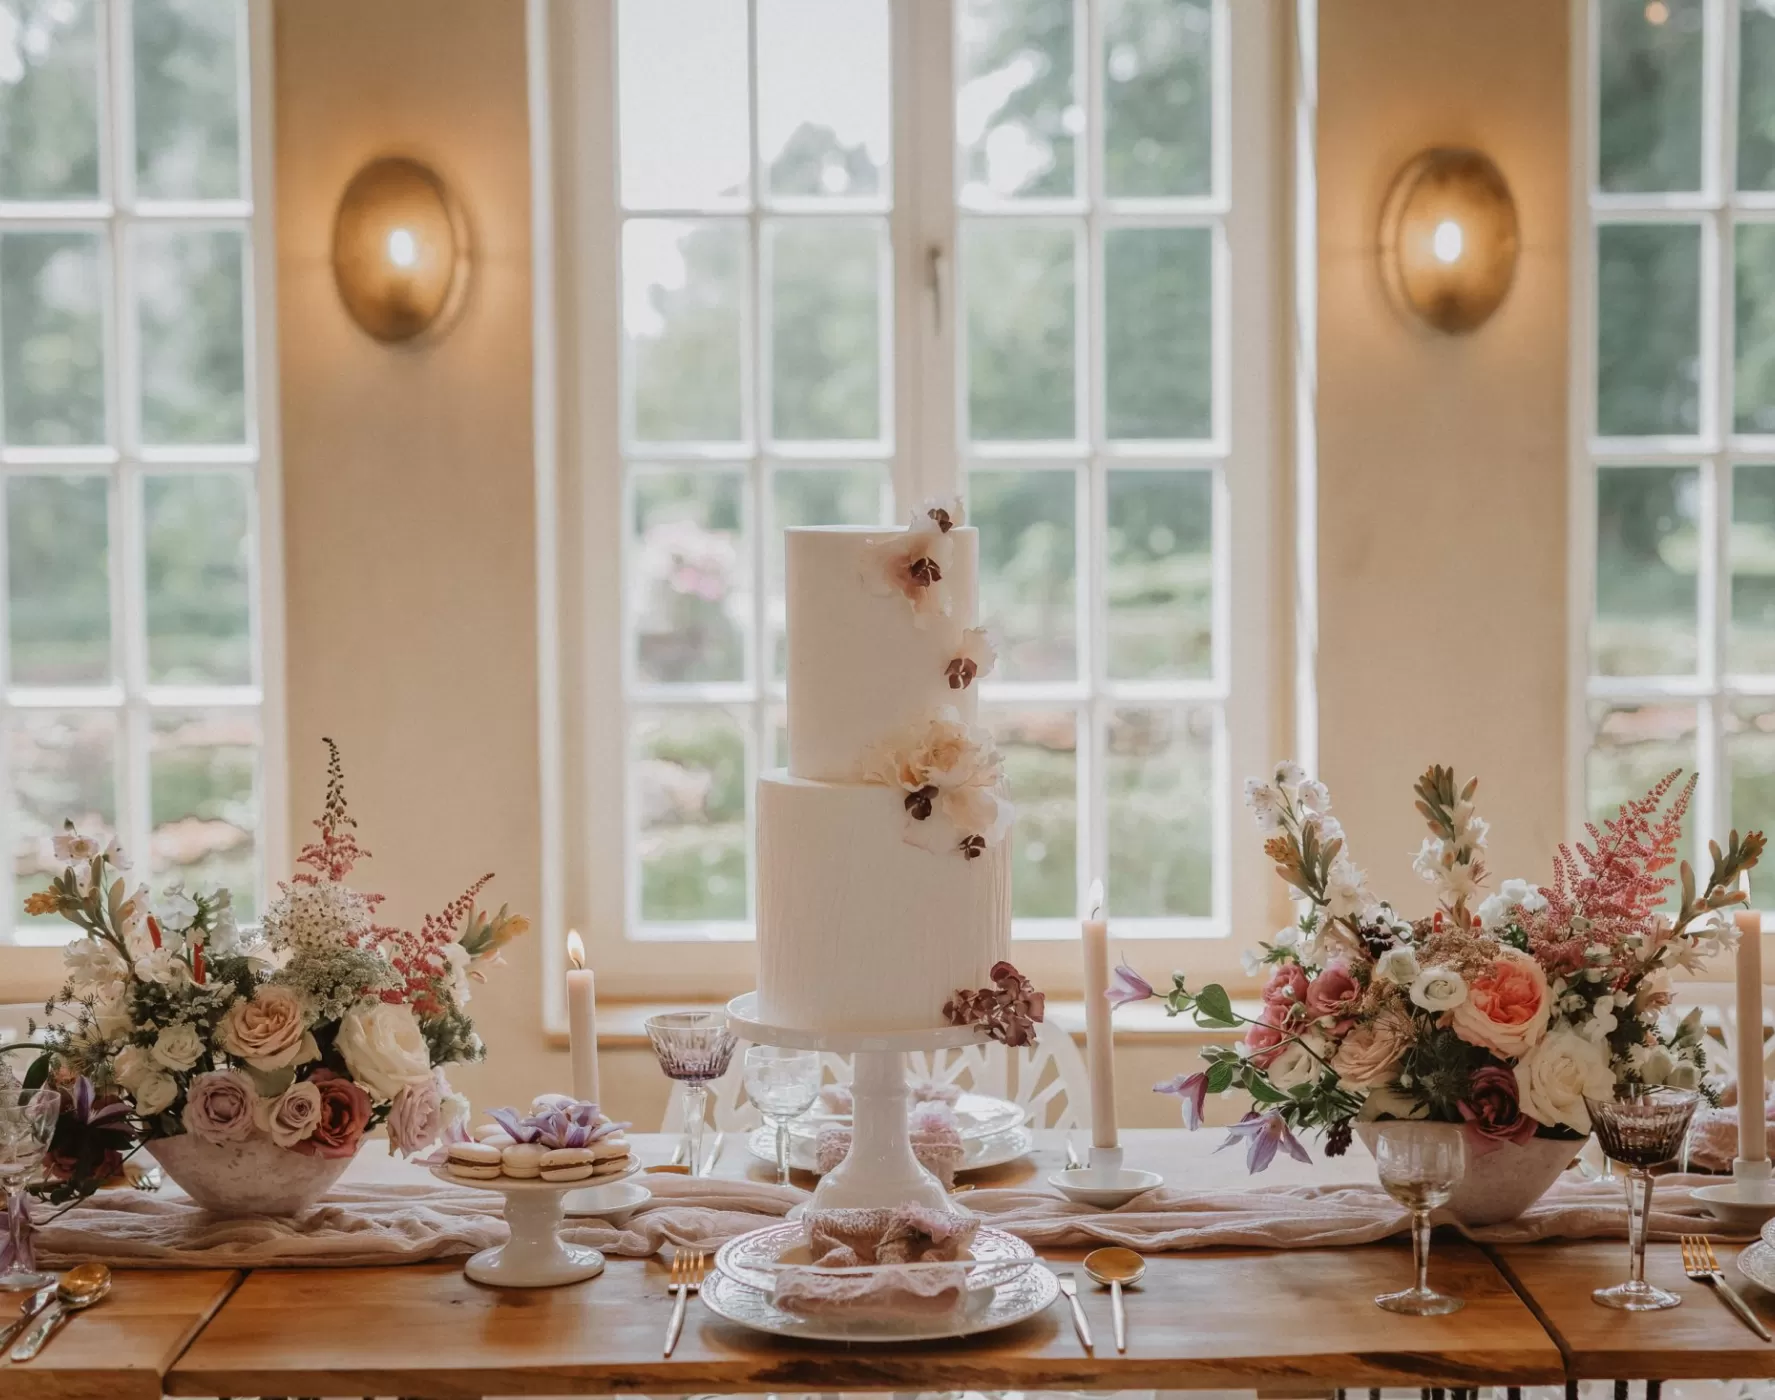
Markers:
<point>927,445</point>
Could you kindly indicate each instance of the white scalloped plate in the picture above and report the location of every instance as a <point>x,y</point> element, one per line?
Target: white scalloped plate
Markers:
<point>977,1153</point>
<point>1757,1263</point>
<point>978,1116</point>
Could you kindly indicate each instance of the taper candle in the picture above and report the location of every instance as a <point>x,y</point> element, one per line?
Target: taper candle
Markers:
<point>1753,1132</point>
<point>1099,1039</point>
<point>582,1021</point>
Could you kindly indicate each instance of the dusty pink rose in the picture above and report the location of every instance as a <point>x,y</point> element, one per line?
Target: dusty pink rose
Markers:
<point>416,1117</point>
<point>344,1114</point>
<point>1263,1039</point>
<point>1287,986</point>
<point>292,1115</point>
<point>1506,1006</point>
<point>1334,992</point>
<point>1370,1054</point>
<point>266,1031</point>
<point>1493,1112</point>
<point>219,1106</point>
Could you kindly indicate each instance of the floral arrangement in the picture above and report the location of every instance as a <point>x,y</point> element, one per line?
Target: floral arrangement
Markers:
<point>1500,1011</point>
<point>318,1027</point>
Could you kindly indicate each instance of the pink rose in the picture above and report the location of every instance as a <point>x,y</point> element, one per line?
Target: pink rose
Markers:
<point>1370,1054</point>
<point>292,1115</point>
<point>416,1117</point>
<point>1506,1006</point>
<point>269,1031</point>
<point>1263,1039</point>
<point>1334,992</point>
<point>219,1106</point>
<point>1287,986</point>
<point>1493,1112</point>
<point>344,1114</point>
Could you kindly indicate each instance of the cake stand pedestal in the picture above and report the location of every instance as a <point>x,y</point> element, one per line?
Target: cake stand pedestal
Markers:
<point>881,1169</point>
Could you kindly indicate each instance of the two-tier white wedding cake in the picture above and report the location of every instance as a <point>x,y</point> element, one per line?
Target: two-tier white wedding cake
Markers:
<point>884,872</point>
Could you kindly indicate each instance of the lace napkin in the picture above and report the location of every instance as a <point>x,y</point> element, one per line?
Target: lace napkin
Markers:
<point>915,1251</point>
<point>936,1142</point>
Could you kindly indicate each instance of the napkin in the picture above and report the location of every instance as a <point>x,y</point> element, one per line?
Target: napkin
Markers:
<point>882,1294</point>
<point>891,1239</point>
<point>936,1142</point>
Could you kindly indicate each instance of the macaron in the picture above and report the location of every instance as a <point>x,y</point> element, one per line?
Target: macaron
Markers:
<point>610,1148</point>
<point>523,1159</point>
<point>473,1161</point>
<point>567,1164</point>
<point>493,1133</point>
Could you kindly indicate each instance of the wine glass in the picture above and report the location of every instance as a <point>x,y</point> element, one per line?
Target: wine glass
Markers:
<point>1640,1128</point>
<point>1420,1166</point>
<point>27,1123</point>
<point>783,1084</point>
<point>695,1048</point>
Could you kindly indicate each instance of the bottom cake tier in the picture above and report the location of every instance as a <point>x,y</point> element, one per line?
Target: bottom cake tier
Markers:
<point>857,928</point>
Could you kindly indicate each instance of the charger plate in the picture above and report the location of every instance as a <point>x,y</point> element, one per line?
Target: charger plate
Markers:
<point>998,1257</point>
<point>977,1153</point>
<point>1757,1263</point>
<point>1010,1303</point>
<point>977,1115</point>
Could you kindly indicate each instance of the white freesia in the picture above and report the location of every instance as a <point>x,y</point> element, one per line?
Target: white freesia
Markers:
<point>1398,966</point>
<point>383,1048</point>
<point>1316,798</point>
<point>162,965</point>
<point>114,854</point>
<point>1346,890</point>
<point>1438,989</point>
<point>1265,804</point>
<point>1553,1078</point>
<point>1427,863</point>
<point>1290,775</point>
<point>92,966</point>
<point>177,910</point>
<point>71,846</point>
<point>178,1047</point>
<point>132,923</point>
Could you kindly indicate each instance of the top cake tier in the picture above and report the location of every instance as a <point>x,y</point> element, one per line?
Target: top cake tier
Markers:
<point>869,660</point>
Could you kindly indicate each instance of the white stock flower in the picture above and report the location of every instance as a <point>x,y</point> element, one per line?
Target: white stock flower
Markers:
<point>1553,1078</point>
<point>93,965</point>
<point>1398,966</point>
<point>1523,895</point>
<point>164,966</point>
<point>383,1048</point>
<point>1251,960</point>
<point>1438,989</point>
<point>1602,1018</point>
<point>1288,937</point>
<point>177,910</point>
<point>1346,890</point>
<point>178,1047</point>
<point>1427,863</point>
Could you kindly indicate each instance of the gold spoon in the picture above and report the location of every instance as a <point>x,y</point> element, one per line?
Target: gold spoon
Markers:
<point>1113,1269</point>
<point>81,1287</point>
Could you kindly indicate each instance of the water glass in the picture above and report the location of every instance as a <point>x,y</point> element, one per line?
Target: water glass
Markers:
<point>783,1084</point>
<point>27,1123</point>
<point>694,1048</point>
<point>1639,1128</point>
<point>1420,1166</point>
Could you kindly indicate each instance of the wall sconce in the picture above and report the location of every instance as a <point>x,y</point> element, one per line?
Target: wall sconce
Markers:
<point>1449,239</point>
<point>400,250</point>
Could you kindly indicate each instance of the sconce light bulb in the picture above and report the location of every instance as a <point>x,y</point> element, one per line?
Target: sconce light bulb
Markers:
<point>1447,241</point>
<point>403,250</point>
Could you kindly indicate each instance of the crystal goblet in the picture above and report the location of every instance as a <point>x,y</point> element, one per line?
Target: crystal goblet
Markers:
<point>1639,1128</point>
<point>694,1048</point>
<point>27,1123</point>
<point>1420,1166</point>
<point>783,1084</point>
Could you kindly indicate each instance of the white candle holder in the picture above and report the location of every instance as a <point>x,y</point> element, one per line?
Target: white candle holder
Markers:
<point>1747,1201</point>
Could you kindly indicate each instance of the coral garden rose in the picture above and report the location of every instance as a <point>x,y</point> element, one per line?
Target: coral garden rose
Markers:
<point>383,1048</point>
<point>1493,1112</point>
<point>1369,1055</point>
<point>1263,1040</point>
<point>269,1030</point>
<point>220,1106</point>
<point>1553,1078</point>
<point>344,1114</point>
<point>292,1116</point>
<point>1334,992</point>
<point>1287,986</point>
<point>1506,1006</point>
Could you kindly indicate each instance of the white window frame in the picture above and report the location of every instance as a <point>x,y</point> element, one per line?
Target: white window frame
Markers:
<point>1716,449</point>
<point>582,505</point>
<point>29,953</point>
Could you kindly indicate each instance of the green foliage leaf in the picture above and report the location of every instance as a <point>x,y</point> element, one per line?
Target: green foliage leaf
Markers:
<point>1220,1075</point>
<point>1214,1009</point>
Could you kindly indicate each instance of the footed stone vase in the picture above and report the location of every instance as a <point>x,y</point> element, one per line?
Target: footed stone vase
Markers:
<point>255,1177</point>
<point>1501,1184</point>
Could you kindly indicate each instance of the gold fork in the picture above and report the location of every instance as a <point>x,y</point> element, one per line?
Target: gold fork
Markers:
<point>689,1268</point>
<point>1701,1266</point>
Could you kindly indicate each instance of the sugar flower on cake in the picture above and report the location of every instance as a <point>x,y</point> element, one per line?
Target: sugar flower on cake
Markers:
<point>975,656</point>
<point>952,776</point>
<point>939,513</point>
<point>911,564</point>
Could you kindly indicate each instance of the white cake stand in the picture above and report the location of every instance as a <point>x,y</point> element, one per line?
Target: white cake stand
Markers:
<point>881,1169</point>
<point>535,1255</point>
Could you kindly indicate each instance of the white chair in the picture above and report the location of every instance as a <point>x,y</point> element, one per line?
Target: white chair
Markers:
<point>1047,1080</point>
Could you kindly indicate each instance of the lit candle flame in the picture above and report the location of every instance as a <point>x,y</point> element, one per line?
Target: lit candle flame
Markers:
<point>1096,899</point>
<point>576,948</point>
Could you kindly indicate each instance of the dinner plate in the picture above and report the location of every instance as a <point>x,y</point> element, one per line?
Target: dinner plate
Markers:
<point>978,1116</point>
<point>1022,1298</point>
<point>1757,1263</point>
<point>748,1258</point>
<point>977,1153</point>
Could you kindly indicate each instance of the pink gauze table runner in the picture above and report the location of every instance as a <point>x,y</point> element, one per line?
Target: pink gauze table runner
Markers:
<point>376,1223</point>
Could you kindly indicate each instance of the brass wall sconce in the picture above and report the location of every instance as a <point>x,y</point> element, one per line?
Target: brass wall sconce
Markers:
<point>1449,239</point>
<point>400,250</point>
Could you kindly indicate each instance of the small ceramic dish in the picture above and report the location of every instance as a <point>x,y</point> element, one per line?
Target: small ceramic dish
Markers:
<point>1087,1186</point>
<point>1736,1208</point>
<point>613,1204</point>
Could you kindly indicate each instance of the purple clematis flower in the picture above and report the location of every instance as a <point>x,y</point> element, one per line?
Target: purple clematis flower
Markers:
<point>1262,1134</point>
<point>1126,985</point>
<point>518,1129</point>
<point>1193,1090</point>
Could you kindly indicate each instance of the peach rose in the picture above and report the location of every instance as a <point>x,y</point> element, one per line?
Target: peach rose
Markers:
<point>1370,1054</point>
<point>1506,1006</point>
<point>269,1032</point>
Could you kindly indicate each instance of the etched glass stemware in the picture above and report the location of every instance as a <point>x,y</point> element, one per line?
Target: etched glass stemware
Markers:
<point>1639,1128</point>
<point>1420,1166</point>
<point>27,1123</point>
<point>782,1085</point>
<point>694,1048</point>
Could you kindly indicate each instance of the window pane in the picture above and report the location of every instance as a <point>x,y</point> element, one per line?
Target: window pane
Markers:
<point>203,776</point>
<point>52,339</point>
<point>49,99</point>
<point>859,495</point>
<point>1022,316</point>
<point>1647,548</point>
<point>823,118</point>
<point>1041,750</point>
<point>199,538</point>
<point>1158,66</point>
<point>1158,290</point>
<point>690,784</point>
<point>1648,354</point>
<point>681,67</point>
<point>64,767</point>
<point>59,602</point>
<point>1159,574</point>
<point>691,583</point>
<point>1755,385</point>
<point>1750,753</point>
<point>1756,95</point>
<point>1017,114</point>
<point>1028,562</point>
<point>1751,646</point>
<point>187,76</point>
<point>1650,81</point>
<point>1632,747</point>
<point>825,332</point>
<point>1160,780</point>
<point>190,307</point>
<point>683,294</point>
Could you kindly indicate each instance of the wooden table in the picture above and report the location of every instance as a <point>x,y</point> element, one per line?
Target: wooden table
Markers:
<point>120,1349</point>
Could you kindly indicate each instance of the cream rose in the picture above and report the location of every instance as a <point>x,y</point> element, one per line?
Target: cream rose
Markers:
<point>1553,1078</point>
<point>268,1032</point>
<point>1438,989</point>
<point>178,1047</point>
<point>149,1086</point>
<point>291,1117</point>
<point>1370,1054</point>
<point>383,1048</point>
<point>1296,1064</point>
<point>1506,1009</point>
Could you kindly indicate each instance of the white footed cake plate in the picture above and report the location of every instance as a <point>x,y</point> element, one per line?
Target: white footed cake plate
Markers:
<point>535,1256</point>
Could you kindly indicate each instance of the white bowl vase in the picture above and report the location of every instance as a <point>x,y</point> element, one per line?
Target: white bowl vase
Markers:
<point>1503,1183</point>
<point>255,1177</point>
